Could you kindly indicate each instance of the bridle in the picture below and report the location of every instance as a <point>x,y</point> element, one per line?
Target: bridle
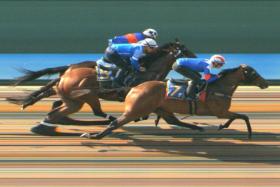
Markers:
<point>248,75</point>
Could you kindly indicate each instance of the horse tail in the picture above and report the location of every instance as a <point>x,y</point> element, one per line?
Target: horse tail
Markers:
<point>34,97</point>
<point>32,75</point>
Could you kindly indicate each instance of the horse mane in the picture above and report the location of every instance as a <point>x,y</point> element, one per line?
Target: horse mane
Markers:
<point>225,72</point>
<point>148,59</point>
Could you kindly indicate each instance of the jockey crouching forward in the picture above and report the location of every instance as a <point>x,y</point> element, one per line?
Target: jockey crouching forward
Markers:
<point>189,67</point>
<point>126,56</point>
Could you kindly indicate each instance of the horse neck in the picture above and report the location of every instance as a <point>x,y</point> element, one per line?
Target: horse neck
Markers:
<point>227,84</point>
<point>160,68</point>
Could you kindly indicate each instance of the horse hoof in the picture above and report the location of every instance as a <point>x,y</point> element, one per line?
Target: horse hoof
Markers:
<point>85,135</point>
<point>220,127</point>
<point>45,130</point>
<point>91,136</point>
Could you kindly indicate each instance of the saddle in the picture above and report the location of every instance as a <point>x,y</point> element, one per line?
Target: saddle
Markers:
<point>110,76</point>
<point>176,89</point>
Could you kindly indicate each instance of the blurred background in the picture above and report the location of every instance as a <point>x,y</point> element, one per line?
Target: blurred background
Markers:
<point>48,33</point>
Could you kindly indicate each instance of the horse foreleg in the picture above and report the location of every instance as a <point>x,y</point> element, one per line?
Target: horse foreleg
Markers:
<point>113,125</point>
<point>157,120</point>
<point>234,116</point>
<point>227,124</point>
<point>95,105</point>
<point>170,118</point>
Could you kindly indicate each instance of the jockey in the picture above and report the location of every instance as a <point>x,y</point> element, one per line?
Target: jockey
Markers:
<point>134,37</point>
<point>189,67</point>
<point>121,54</point>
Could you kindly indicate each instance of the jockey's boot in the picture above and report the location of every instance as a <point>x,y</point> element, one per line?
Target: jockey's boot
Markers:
<point>119,78</point>
<point>190,92</point>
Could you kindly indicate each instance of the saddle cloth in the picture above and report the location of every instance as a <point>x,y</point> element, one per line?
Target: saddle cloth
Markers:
<point>110,76</point>
<point>105,71</point>
<point>176,89</point>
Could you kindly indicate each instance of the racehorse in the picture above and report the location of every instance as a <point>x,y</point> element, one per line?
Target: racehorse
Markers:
<point>78,85</point>
<point>150,97</point>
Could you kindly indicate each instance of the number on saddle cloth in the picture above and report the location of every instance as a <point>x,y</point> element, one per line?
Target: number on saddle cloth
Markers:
<point>176,89</point>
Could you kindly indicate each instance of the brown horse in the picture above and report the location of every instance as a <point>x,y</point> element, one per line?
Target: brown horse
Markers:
<point>78,85</point>
<point>151,97</point>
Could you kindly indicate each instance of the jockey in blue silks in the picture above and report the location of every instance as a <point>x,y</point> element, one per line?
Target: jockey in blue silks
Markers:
<point>189,67</point>
<point>134,37</point>
<point>126,56</point>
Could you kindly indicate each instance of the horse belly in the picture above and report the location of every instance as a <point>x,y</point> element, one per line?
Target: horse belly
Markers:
<point>175,106</point>
<point>144,99</point>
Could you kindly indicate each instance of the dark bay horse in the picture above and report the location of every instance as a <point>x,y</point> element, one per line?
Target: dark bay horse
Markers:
<point>150,97</point>
<point>78,85</point>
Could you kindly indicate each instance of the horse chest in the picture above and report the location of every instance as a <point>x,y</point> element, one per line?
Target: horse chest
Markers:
<point>217,105</point>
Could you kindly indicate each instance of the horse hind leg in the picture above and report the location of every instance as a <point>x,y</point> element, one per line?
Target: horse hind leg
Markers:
<point>65,120</point>
<point>132,112</point>
<point>57,116</point>
<point>122,120</point>
<point>43,92</point>
<point>170,118</point>
<point>31,100</point>
<point>137,104</point>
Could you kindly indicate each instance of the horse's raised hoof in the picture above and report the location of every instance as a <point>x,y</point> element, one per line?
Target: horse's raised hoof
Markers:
<point>85,135</point>
<point>91,136</point>
<point>46,130</point>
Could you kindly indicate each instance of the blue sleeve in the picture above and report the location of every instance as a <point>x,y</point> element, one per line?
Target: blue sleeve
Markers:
<point>135,58</point>
<point>213,78</point>
<point>140,36</point>
<point>207,70</point>
<point>119,40</point>
<point>208,76</point>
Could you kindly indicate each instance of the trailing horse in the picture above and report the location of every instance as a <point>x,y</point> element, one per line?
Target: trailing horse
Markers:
<point>78,85</point>
<point>150,97</point>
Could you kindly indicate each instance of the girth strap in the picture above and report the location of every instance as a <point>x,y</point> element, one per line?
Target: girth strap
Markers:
<point>192,107</point>
<point>221,95</point>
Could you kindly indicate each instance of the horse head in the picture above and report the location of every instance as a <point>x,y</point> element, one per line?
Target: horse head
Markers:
<point>251,77</point>
<point>244,74</point>
<point>174,48</point>
<point>160,62</point>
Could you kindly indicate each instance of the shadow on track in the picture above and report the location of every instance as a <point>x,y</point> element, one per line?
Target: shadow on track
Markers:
<point>215,145</point>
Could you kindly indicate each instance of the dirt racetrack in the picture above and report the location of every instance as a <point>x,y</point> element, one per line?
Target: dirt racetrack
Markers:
<point>141,154</point>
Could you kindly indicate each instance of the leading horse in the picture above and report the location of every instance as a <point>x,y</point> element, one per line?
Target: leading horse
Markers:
<point>150,97</point>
